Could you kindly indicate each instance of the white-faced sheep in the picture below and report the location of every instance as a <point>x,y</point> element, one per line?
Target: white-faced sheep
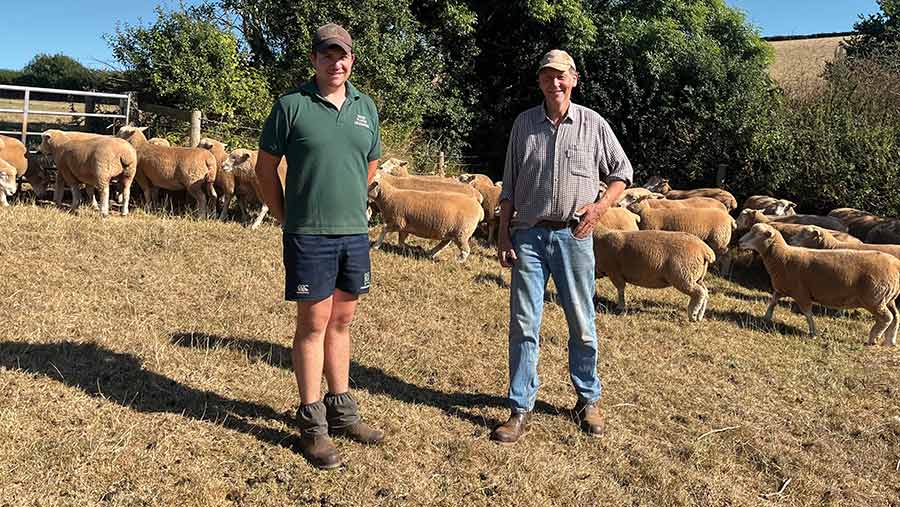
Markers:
<point>661,185</point>
<point>885,233</point>
<point>618,219</point>
<point>691,202</point>
<point>224,184</point>
<point>655,260</point>
<point>15,164</point>
<point>172,168</point>
<point>834,278</point>
<point>427,184</point>
<point>490,194</point>
<point>241,163</point>
<point>770,205</point>
<point>395,166</point>
<point>92,161</point>
<point>821,239</point>
<point>8,175</point>
<point>712,226</point>
<point>858,222</point>
<point>748,217</point>
<point>445,216</point>
<point>635,194</point>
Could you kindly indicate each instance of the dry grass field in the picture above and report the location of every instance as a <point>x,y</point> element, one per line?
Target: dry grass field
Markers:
<point>41,105</point>
<point>145,361</point>
<point>799,64</point>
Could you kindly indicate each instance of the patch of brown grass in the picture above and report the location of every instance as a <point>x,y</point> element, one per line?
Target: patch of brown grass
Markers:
<point>145,361</point>
<point>799,64</point>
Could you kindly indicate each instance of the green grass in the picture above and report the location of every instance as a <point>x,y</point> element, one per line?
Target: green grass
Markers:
<point>145,361</point>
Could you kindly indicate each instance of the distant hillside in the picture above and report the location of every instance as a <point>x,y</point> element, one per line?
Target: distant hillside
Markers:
<point>800,61</point>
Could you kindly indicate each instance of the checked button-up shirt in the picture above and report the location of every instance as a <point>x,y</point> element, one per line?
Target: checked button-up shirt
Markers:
<point>551,172</point>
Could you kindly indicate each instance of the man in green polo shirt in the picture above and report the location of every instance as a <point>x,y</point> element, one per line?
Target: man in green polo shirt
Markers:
<point>328,131</point>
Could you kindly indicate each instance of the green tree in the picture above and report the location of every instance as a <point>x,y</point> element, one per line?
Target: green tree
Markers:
<point>877,34</point>
<point>185,60</point>
<point>400,62</point>
<point>58,71</point>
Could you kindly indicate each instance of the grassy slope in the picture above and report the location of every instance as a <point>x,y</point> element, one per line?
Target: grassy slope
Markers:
<point>799,64</point>
<point>145,361</point>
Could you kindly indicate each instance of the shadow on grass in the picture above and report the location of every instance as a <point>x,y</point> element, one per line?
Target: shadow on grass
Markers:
<point>121,378</point>
<point>747,320</point>
<point>369,378</point>
<point>413,252</point>
<point>490,279</point>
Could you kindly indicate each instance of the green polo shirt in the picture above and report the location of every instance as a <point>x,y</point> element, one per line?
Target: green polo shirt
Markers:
<point>327,152</point>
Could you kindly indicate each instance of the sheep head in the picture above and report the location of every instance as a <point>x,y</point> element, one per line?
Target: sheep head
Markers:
<point>50,140</point>
<point>782,207</point>
<point>393,166</point>
<point>236,159</point>
<point>7,178</point>
<point>759,239</point>
<point>134,135</point>
<point>657,184</point>
<point>809,237</point>
<point>748,218</point>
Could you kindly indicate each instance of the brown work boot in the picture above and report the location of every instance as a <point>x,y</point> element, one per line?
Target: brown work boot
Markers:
<point>314,443</point>
<point>343,420</point>
<point>513,429</point>
<point>588,417</point>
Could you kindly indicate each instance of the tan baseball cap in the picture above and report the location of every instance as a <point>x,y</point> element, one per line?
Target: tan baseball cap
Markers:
<point>557,59</point>
<point>332,35</point>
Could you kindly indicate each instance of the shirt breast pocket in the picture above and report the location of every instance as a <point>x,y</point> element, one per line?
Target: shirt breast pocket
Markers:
<point>579,161</point>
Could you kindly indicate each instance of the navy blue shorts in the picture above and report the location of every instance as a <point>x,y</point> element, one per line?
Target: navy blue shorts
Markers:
<point>315,265</point>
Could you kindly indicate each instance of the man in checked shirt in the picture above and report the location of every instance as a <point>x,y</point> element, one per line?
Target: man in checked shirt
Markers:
<point>559,153</point>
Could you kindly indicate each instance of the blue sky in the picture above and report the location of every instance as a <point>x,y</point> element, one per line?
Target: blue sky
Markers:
<point>75,28</point>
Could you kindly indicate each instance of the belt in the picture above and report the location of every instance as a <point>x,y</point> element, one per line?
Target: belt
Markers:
<point>555,224</point>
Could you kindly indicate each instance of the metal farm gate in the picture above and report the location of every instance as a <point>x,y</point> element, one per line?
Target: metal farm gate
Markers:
<point>124,106</point>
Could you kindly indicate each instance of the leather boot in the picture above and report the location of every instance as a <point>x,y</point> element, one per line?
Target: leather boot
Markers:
<point>314,443</point>
<point>513,429</point>
<point>343,420</point>
<point>588,418</point>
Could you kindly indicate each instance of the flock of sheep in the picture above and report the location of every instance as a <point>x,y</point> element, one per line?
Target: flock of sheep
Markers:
<point>656,237</point>
<point>208,173</point>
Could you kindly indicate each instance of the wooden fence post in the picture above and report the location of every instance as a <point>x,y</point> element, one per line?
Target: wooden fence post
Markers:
<point>720,175</point>
<point>441,163</point>
<point>195,128</point>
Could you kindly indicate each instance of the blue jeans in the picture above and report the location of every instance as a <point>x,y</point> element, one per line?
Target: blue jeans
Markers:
<point>542,253</point>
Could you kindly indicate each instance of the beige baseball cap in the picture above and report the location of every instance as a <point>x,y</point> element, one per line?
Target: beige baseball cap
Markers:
<point>557,59</point>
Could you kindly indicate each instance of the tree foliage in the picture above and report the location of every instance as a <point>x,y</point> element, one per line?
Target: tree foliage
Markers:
<point>59,71</point>
<point>185,60</point>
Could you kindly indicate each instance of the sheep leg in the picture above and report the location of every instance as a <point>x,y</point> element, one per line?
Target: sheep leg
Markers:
<point>401,238</point>
<point>619,282</point>
<point>259,218</point>
<point>770,310</point>
<point>890,337</point>
<point>463,249</point>
<point>242,203</point>
<point>437,249</point>
<point>806,308</point>
<point>76,198</point>
<point>384,232</point>
<point>883,319</point>
<point>104,200</point>
<point>125,194</point>
<point>697,307</point>
<point>226,203</point>
<point>92,191</point>
<point>3,201</point>
<point>701,311</point>
<point>58,190</point>
<point>199,195</point>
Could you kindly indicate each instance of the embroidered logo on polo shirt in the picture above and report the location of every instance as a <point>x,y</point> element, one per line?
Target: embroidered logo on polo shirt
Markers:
<point>361,121</point>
